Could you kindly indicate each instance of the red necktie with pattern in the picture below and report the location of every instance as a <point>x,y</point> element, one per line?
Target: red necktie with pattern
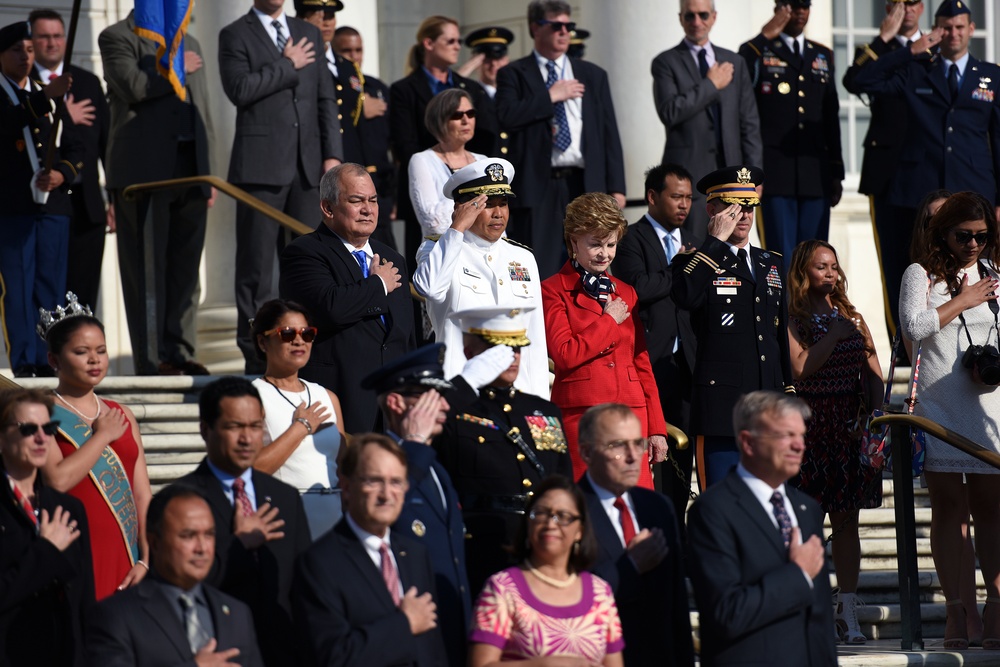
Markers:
<point>628,527</point>
<point>240,497</point>
<point>389,574</point>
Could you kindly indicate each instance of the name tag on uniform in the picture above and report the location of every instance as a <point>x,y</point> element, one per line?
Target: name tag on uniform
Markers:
<point>470,273</point>
<point>923,91</point>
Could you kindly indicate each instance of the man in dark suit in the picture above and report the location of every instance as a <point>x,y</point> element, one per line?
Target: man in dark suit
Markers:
<point>90,215</point>
<point>260,523</point>
<point>884,141</point>
<point>370,119</point>
<point>563,134</point>
<point>356,289</point>
<point>758,561</point>
<point>287,137</point>
<point>364,592</point>
<point>410,393</point>
<point>149,119</point>
<point>173,617</point>
<point>736,297</point>
<point>643,261</point>
<point>705,100</point>
<point>641,554</point>
<point>796,91</point>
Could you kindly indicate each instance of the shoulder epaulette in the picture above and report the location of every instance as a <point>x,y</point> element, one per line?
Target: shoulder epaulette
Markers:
<point>700,257</point>
<point>517,243</point>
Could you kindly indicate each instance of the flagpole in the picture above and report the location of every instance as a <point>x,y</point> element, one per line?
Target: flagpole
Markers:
<point>74,20</point>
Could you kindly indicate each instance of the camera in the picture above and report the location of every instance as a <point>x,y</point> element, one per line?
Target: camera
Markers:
<point>984,360</point>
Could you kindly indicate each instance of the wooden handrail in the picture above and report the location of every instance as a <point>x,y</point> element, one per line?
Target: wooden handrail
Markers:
<point>956,440</point>
<point>228,188</point>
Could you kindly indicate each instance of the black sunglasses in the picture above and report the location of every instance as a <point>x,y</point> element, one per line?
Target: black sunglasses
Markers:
<point>288,334</point>
<point>558,26</point>
<point>457,115</point>
<point>689,16</point>
<point>963,237</point>
<point>29,429</point>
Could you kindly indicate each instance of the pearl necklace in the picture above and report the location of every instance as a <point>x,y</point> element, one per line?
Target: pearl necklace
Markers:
<point>551,581</point>
<point>71,407</point>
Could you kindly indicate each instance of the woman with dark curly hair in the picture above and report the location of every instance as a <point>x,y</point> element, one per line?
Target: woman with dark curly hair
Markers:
<point>836,371</point>
<point>549,605</point>
<point>595,338</point>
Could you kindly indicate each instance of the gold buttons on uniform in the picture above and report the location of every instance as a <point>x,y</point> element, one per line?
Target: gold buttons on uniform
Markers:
<point>501,281</point>
<point>340,101</point>
<point>489,258</point>
<point>507,408</point>
<point>520,457</point>
<point>526,482</point>
<point>482,439</point>
<point>802,93</point>
<point>503,135</point>
<point>504,150</point>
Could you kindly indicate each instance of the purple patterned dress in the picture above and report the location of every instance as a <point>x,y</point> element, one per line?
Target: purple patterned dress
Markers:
<point>832,471</point>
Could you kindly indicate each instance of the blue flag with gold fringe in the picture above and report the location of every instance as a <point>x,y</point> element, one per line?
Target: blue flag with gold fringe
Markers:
<point>166,22</point>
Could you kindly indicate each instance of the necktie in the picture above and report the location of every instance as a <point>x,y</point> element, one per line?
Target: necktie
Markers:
<point>197,636</point>
<point>282,37</point>
<point>703,62</point>
<point>389,574</point>
<point>796,47</point>
<point>628,527</point>
<point>953,81</point>
<point>362,260</point>
<point>240,497</point>
<point>741,255</point>
<point>714,109</point>
<point>784,522</point>
<point>560,131</point>
<point>670,245</point>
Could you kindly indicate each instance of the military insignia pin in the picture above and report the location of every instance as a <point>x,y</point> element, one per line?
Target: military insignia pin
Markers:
<point>784,88</point>
<point>727,319</point>
<point>418,528</point>
<point>743,175</point>
<point>226,610</point>
<point>495,172</point>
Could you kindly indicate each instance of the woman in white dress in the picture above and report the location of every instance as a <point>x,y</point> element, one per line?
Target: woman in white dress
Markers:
<point>948,298</point>
<point>303,438</point>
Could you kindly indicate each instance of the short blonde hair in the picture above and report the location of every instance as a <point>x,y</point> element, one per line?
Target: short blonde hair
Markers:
<point>593,213</point>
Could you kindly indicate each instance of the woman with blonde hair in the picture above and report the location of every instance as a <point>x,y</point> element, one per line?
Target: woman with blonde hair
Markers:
<point>593,331</point>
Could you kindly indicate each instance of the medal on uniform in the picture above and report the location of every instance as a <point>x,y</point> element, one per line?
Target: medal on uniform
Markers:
<point>784,88</point>
<point>418,528</point>
<point>773,279</point>
<point>547,433</point>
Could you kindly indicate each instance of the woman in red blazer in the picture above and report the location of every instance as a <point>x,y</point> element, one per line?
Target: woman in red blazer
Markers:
<point>594,335</point>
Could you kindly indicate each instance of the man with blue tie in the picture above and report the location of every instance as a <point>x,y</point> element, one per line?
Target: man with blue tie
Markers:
<point>953,140</point>
<point>643,261</point>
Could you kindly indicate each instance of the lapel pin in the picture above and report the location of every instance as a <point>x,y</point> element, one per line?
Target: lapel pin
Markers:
<point>225,609</point>
<point>418,528</point>
<point>402,554</point>
<point>267,499</point>
<point>802,508</point>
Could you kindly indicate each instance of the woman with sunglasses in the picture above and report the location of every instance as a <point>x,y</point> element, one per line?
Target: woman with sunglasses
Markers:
<point>99,458</point>
<point>45,574</point>
<point>549,605</point>
<point>302,439</point>
<point>947,304</point>
<point>451,118</point>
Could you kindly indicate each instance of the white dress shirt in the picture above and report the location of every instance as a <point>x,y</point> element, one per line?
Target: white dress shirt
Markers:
<point>608,503</point>
<point>266,20</point>
<point>331,60</point>
<point>572,156</point>
<point>735,250</point>
<point>227,483</point>
<point>695,48</point>
<point>790,41</point>
<point>46,74</point>
<point>373,547</point>
<point>662,233</point>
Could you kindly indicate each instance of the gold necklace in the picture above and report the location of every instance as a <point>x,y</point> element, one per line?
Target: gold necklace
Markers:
<point>551,581</point>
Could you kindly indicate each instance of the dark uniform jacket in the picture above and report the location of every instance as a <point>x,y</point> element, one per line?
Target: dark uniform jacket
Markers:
<point>366,140</point>
<point>348,87</point>
<point>34,110</point>
<point>741,323</point>
<point>887,129</point>
<point>493,475</point>
<point>799,122</point>
<point>951,144</point>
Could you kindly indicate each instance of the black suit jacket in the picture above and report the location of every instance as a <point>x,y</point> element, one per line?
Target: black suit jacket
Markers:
<point>642,263</point>
<point>318,272</point>
<point>741,323</point>
<point>262,578</point>
<point>653,606</point>
<point>138,628</point>
<point>755,606</point>
<point>525,111</point>
<point>344,613</point>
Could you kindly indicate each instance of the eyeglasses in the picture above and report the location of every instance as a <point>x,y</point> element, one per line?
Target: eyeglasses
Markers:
<point>963,237</point>
<point>541,515</point>
<point>558,26</point>
<point>288,334</point>
<point>29,429</point>
<point>689,16</point>
<point>468,113</point>
<point>639,444</point>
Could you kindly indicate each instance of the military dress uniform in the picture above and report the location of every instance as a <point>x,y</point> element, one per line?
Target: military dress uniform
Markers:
<point>800,127</point>
<point>493,473</point>
<point>740,320</point>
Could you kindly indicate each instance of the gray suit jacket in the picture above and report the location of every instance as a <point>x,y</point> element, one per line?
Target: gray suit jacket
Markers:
<point>145,111</point>
<point>682,99</point>
<point>286,119</point>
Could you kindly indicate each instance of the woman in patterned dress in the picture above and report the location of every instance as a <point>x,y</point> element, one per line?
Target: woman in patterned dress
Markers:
<point>834,366</point>
<point>549,606</point>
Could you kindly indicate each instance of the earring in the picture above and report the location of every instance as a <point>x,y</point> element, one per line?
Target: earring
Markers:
<point>576,547</point>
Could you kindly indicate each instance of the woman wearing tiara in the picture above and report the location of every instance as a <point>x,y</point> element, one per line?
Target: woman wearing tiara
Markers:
<point>99,459</point>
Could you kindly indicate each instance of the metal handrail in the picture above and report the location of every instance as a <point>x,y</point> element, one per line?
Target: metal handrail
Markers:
<point>906,526</point>
<point>678,436</point>
<point>228,188</point>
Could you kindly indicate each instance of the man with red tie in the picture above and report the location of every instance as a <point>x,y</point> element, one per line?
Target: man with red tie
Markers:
<point>364,594</point>
<point>640,551</point>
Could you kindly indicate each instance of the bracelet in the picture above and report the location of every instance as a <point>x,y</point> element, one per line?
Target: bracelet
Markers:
<point>416,437</point>
<point>143,563</point>
<point>305,422</point>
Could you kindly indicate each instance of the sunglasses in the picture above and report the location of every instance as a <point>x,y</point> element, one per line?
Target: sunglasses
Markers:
<point>29,429</point>
<point>288,334</point>
<point>468,113</point>
<point>963,237</point>
<point>558,26</point>
<point>689,16</point>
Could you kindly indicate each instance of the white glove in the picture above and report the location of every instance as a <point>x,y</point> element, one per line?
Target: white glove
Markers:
<point>486,367</point>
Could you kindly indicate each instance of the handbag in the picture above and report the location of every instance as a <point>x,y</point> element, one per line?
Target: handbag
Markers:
<point>875,447</point>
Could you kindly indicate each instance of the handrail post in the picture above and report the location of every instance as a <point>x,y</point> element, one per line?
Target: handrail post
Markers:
<point>906,539</point>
